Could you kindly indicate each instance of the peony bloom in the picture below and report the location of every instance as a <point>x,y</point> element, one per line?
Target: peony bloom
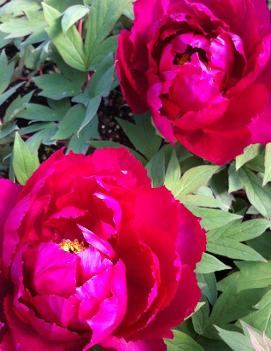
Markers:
<point>203,69</point>
<point>92,255</point>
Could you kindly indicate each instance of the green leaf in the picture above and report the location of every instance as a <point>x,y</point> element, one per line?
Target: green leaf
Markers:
<point>213,218</point>
<point>57,86</point>
<point>241,231</point>
<point>261,319</point>
<point>70,122</point>
<point>232,304</point>
<point>259,342</point>
<point>208,286</point>
<point>103,15</point>
<point>236,341</point>
<point>38,112</point>
<point>258,196</point>
<point>253,275</point>
<point>91,111</point>
<point>262,245</point>
<point>233,249</point>
<point>194,178</point>
<point>69,44</point>
<point>80,144</point>
<point>6,70</point>
<point>18,7</point>
<point>16,106</point>
<point>9,92</point>
<point>249,154</point>
<point>72,15</point>
<point>182,342</point>
<point>22,26</point>
<point>142,135</point>
<point>173,173</point>
<point>234,179</point>
<point>200,319</point>
<point>156,168</point>
<point>25,161</point>
<point>201,201</point>
<point>267,164</point>
<point>209,264</point>
<point>102,80</point>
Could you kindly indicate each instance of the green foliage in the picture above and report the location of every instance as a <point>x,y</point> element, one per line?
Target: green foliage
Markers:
<point>25,161</point>
<point>57,65</point>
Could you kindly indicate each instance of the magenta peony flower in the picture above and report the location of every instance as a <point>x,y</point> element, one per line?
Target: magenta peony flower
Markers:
<point>92,255</point>
<point>203,68</point>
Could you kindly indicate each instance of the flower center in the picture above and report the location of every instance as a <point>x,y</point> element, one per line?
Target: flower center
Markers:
<point>73,246</point>
<point>181,59</point>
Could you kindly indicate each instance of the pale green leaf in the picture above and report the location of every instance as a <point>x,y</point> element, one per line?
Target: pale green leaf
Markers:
<point>249,154</point>
<point>182,342</point>
<point>194,178</point>
<point>267,164</point>
<point>69,44</point>
<point>258,196</point>
<point>236,341</point>
<point>209,264</point>
<point>72,15</point>
<point>103,15</point>
<point>25,161</point>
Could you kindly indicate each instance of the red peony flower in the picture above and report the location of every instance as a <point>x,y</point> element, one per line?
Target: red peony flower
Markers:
<point>92,255</point>
<point>203,68</point>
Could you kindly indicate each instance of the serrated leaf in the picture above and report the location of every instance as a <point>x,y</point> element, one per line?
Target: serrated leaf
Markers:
<point>209,264</point>
<point>267,164</point>
<point>258,196</point>
<point>182,342</point>
<point>69,44</point>
<point>194,178</point>
<point>72,15</point>
<point>142,135</point>
<point>249,154</point>
<point>25,161</point>
<point>103,15</point>
<point>236,341</point>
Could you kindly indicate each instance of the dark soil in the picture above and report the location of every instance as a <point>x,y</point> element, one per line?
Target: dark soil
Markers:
<point>114,106</point>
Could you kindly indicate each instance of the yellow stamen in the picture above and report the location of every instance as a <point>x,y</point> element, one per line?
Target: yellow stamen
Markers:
<point>72,246</point>
<point>183,58</point>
